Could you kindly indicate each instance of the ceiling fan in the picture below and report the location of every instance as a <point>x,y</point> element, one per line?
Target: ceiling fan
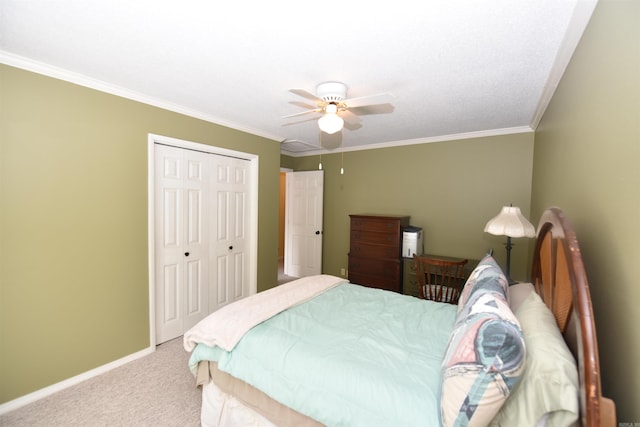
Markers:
<point>331,101</point>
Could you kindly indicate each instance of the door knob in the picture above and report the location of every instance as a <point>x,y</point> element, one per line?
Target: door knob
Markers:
<point>317,231</point>
<point>186,254</point>
<point>230,248</point>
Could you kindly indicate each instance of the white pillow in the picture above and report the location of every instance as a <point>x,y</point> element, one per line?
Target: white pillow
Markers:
<point>549,386</point>
<point>518,293</point>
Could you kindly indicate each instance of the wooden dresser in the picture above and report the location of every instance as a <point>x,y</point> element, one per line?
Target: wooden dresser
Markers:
<point>375,251</point>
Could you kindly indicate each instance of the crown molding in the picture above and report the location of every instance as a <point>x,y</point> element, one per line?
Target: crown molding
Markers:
<point>82,80</point>
<point>442,138</point>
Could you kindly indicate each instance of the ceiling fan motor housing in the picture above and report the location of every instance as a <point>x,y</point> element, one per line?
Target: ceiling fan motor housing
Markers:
<point>331,91</point>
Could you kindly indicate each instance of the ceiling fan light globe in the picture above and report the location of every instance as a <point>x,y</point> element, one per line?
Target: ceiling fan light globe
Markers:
<point>330,123</point>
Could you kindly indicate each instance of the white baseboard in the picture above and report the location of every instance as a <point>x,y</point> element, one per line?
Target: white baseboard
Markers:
<point>48,391</point>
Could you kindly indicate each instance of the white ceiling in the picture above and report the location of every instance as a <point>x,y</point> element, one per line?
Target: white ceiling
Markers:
<point>456,69</point>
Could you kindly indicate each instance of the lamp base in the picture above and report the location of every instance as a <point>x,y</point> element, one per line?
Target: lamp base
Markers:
<point>508,246</point>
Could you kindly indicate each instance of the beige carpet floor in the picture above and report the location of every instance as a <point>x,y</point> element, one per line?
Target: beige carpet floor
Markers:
<point>282,278</point>
<point>156,390</point>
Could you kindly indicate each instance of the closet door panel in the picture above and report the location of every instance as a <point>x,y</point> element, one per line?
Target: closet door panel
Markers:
<point>231,190</point>
<point>195,242</point>
<point>181,250</point>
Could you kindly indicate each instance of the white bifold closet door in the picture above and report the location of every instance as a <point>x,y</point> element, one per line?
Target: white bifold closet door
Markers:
<point>201,224</point>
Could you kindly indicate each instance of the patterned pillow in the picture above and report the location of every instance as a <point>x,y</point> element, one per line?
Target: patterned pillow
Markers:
<point>486,353</point>
<point>486,277</point>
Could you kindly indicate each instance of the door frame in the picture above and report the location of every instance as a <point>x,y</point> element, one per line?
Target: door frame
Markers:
<point>253,213</point>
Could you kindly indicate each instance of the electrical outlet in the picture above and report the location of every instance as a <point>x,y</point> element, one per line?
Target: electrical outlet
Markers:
<point>343,272</point>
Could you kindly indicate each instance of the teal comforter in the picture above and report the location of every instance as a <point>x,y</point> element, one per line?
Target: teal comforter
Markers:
<point>352,356</point>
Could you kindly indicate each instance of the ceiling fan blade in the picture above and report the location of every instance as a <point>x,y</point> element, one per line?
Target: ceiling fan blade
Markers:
<point>317,110</point>
<point>305,94</point>
<point>303,105</point>
<point>351,121</point>
<point>372,109</point>
<point>381,98</point>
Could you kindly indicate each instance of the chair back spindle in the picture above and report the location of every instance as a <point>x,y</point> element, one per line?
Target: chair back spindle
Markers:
<point>439,279</point>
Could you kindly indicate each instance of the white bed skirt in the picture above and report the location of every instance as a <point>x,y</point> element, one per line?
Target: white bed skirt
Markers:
<point>223,410</point>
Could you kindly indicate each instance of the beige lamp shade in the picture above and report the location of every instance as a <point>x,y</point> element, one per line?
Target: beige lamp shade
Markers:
<point>510,222</point>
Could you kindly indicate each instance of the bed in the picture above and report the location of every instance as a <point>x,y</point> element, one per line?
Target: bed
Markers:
<point>322,351</point>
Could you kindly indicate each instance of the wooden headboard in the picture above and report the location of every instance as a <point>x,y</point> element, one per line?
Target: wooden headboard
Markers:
<point>559,277</point>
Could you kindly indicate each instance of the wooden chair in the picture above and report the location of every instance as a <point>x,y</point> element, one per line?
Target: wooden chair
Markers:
<point>438,279</point>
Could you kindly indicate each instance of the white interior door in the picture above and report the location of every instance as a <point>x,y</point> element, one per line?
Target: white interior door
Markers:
<point>181,229</point>
<point>229,256</point>
<point>303,219</point>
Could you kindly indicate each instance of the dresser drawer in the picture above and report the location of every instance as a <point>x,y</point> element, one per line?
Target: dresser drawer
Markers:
<point>386,268</point>
<point>379,224</point>
<point>378,238</point>
<point>374,251</point>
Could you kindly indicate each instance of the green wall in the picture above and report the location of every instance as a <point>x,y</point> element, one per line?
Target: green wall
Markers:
<point>73,224</point>
<point>286,162</point>
<point>450,189</point>
<point>587,150</point>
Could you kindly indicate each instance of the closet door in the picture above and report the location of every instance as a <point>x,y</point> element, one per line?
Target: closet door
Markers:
<point>182,239</point>
<point>230,218</point>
